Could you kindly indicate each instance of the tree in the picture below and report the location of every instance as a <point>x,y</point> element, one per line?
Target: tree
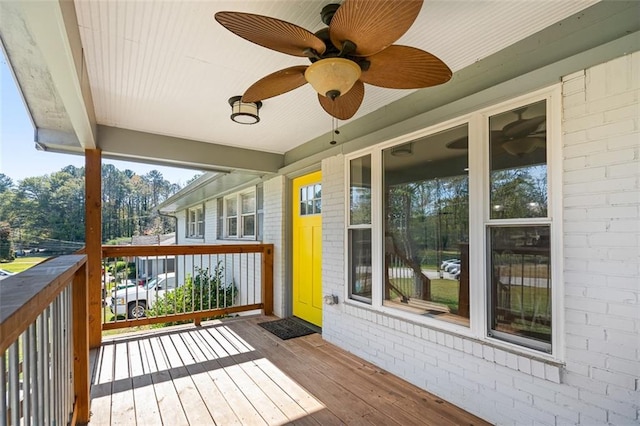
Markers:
<point>6,251</point>
<point>5,183</point>
<point>49,209</point>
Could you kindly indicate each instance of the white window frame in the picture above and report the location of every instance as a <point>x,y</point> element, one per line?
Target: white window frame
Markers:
<point>240,216</point>
<point>479,221</point>
<point>195,227</point>
<point>354,227</point>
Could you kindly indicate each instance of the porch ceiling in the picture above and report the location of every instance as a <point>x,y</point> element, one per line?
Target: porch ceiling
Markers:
<point>150,81</point>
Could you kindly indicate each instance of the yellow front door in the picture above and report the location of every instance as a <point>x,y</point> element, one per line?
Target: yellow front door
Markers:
<point>307,248</point>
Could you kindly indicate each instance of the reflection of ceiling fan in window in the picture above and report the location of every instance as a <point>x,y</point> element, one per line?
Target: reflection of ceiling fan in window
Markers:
<point>524,135</point>
<point>518,138</point>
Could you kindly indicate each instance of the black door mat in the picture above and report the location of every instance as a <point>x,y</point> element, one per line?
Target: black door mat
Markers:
<point>286,328</point>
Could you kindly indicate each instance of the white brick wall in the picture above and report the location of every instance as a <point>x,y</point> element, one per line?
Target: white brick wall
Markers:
<point>599,382</point>
<point>274,221</point>
<point>333,225</point>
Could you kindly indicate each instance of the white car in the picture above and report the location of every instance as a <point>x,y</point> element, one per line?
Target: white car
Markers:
<point>5,274</point>
<point>135,300</point>
<point>449,263</point>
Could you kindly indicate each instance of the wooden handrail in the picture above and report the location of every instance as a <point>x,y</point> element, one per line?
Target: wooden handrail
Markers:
<point>176,250</point>
<point>265,283</point>
<point>26,295</point>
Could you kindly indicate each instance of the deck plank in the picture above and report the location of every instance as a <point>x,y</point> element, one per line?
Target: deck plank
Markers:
<point>147,410</point>
<point>337,400</point>
<point>101,388</point>
<point>373,388</point>
<point>122,391</point>
<point>194,407</point>
<point>256,396</point>
<point>244,410</point>
<point>169,404</point>
<point>233,372</point>
<point>280,398</point>
<point>221,412</point>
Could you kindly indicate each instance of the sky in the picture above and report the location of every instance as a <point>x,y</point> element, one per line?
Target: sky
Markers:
<point>20,159</point>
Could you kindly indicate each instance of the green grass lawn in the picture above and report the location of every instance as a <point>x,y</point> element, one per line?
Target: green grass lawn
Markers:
<point>22,263</point>
<point>442,291</point>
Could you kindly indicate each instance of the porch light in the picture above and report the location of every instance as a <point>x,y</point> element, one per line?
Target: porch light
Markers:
<point>244,112</point>
<point>332,77</point>
<point>405,150</point>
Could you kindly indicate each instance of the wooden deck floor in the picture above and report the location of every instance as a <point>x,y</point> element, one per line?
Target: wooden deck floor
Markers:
<point>236,373</point>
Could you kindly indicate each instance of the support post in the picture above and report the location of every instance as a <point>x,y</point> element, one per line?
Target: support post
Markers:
<point>267,280</point>
<point>81,377</point>
<point>93,242</point>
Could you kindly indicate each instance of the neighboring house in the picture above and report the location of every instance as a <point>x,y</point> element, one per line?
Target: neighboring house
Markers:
<point>152,240</point>
<point>149,267</point>
<point>544,321</point>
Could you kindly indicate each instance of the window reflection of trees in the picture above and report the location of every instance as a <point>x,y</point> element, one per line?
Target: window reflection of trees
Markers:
<point>519,192</point>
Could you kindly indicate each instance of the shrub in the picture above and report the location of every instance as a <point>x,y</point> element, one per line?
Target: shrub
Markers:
<point>205,291</point>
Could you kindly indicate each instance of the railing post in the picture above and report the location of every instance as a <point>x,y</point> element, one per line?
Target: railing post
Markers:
<point>267,280</point>
<point>81,345</point>
<point>93,241</point>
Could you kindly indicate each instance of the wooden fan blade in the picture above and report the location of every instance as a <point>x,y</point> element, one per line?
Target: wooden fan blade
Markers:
<point>405,67</point>
<point>463,143</point>
<point>372,25</point>
<point>271,33</point>
<point>344,106</point>
<point>276,84</point>
<point>523,127</point>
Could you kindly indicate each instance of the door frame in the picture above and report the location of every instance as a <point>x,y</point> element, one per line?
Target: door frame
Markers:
<point>288,234</point>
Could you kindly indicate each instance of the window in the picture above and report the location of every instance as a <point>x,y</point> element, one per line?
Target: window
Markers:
<point>195,222</point>
<point>518,229</point>
<point>520,285</point>
<point>464,232</point>
<point>311,199</point>
<point>248,218</point>
<point>240,215</point>
<point>360,277</point>
<point>426,225</point>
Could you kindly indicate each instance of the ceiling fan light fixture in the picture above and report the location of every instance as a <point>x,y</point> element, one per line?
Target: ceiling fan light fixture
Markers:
<point>332,77</point>
<point>244,112</point>
<point>522,146</point>
<point>405,150</point>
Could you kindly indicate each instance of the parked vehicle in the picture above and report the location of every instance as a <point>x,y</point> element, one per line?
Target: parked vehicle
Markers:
<point>126,284</point>
<point>447,264</point>
<point>5,274</point>
<point>134,300</point>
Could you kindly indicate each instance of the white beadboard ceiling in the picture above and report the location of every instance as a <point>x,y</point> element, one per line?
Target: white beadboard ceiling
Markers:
<point>167,67</point>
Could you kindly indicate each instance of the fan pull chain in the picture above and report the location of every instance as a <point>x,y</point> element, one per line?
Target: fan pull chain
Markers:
<point>334,130</point>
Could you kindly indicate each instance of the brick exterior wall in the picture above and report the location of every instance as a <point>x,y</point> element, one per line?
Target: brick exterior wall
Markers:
<point>599,381</point>
<point>274,225</point>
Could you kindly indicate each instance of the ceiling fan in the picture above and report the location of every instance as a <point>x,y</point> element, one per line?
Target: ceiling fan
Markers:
<point>356,48</point>
<point>517,138</point>
<point>524,135</point>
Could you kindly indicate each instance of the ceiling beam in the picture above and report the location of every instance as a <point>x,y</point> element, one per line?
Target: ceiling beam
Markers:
<point>133,145</point>
<point>54,27</point>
